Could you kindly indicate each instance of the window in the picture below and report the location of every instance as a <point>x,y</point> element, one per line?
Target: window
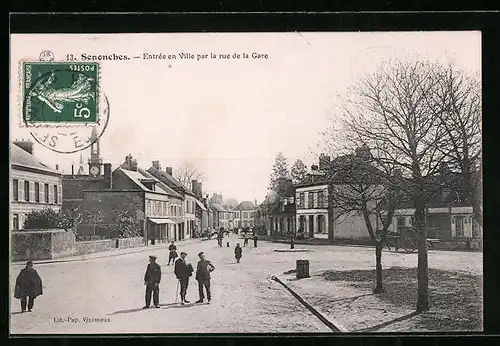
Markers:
<point>310,200</point>
<point>476,230</point>
<point>321,199</point>
<point>15,221</point>
<point>46,190</point>
<point>459,226</point>
<point>401,222</point>
<point>37,192</point>
<point>15,190</point>
<point>27,191</point>
<point>55,194</point>
<point>302,198</point>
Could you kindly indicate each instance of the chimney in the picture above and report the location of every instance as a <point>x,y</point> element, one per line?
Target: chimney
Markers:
<point>133,165</point>
<point>57,167</point>
<point>168,170</point>
<point>194,186</point>
<point>200,190</point>
<point>72,169</point>
<point>107,175</point>
<point>156,164</point>
<point>324,162</point>
<point>25,145</point>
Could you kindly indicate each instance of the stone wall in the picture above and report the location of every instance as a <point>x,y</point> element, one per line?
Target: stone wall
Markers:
<point>130,242</point>
<point>63,244</point>
<point>36,245</point>
<point>93,246</point>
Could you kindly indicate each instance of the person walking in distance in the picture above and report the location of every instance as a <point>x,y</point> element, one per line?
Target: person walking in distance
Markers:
<point>152,280</point>
<point>183,271</point>
<point>245,237</point>
<point>203,271</point>
<point>28,286</point>
<point>172,255</point>
<point>237,252</point>
<point>255,238</point>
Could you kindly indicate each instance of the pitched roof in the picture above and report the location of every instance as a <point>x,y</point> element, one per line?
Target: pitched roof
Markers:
<point>140,175</point>
<point>169,180</point>
<point>218,207</point>
<point>21,157</point>
<point>245,205</point>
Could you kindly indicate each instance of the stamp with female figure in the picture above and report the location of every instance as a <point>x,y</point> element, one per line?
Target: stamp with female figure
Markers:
<point>60,93</point>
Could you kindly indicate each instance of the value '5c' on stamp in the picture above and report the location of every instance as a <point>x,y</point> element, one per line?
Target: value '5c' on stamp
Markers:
<point>59,92</point>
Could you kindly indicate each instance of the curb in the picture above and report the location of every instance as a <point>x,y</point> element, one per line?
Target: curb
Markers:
<point>336,328</point>
<point>104,255</point>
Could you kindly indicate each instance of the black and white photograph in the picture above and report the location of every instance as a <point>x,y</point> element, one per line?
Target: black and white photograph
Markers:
<point>288,182</point>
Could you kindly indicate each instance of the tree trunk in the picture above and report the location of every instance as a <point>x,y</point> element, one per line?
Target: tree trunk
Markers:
<point>423,266</point>
<point>378,267</point>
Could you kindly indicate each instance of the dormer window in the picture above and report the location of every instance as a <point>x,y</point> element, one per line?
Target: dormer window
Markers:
<point>149,183</point>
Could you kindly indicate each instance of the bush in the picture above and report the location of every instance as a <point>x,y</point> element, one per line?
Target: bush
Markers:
<point>43,219</point>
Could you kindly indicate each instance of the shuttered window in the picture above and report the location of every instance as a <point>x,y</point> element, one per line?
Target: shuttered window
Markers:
<point>46,193</point>
<point>27,191</point>
<point>15,191</point>
<point>37,192</point>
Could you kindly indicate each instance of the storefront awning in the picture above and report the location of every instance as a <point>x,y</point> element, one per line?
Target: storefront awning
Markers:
<point>161,221</point>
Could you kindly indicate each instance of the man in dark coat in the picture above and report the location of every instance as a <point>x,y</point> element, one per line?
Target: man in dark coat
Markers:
<point>152,280</point>
<point>28,286</point>
<point>183,271</point>
<point>203,271</point>
<point>255,238</point>
<point>237,252</point>
<point>172,253</point>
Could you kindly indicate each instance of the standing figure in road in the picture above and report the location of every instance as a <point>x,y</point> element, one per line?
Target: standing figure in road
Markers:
<point>203,271</point>
<point>172,253</point>
<point>237,252</point>
<point>183,271</point>
<point>152,280</point>
<point>245,237</point>
<point>28,286</point>
<point>255,238</point>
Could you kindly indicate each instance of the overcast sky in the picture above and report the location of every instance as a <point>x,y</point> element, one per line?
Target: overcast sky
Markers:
<point>228,117</point>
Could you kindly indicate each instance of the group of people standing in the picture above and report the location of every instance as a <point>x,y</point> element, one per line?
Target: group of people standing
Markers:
<point>183,271</point>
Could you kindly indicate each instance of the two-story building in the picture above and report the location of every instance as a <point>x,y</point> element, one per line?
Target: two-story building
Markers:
<point>151,202</point>
<point>34,185</point>
<point>312,205</point>
<point>244,215</point>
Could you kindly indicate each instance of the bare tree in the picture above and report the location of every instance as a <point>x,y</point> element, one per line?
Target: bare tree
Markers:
<point>389,111</point>
<point>361,188</point>
<point>186,173</point>
<point>457,104</point>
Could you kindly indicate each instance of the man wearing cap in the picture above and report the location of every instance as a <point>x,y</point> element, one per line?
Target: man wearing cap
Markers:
<point>152,280</point>
<point>183,271</point>
<point>203,271</point>
<point>28,286</point>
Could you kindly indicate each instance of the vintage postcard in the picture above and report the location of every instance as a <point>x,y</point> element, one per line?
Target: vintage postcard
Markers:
<point>318,182</point>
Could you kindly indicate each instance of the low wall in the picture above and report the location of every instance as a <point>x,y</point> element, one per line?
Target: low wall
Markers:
<point>41,244</point>
<point>124,243</point>
<point>93,246</point>
<point>57,243</point>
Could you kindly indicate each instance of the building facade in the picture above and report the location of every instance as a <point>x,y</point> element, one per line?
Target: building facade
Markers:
<point>33,184</point>
<point>312,213</point>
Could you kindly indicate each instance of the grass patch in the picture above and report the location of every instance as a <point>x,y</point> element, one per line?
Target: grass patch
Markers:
<point>455,298</point>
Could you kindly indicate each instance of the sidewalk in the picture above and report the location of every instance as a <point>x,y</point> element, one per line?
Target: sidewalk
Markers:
<point>104,254</point>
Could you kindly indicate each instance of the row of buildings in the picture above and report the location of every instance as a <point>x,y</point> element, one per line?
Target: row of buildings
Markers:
<point>165,208</point>
<point>307,207</point>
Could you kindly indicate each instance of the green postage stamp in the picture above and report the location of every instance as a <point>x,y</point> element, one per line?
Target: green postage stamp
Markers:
<point>60,93</point>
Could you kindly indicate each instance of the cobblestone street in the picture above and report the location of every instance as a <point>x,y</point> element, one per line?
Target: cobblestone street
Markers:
<point>244,298</point>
